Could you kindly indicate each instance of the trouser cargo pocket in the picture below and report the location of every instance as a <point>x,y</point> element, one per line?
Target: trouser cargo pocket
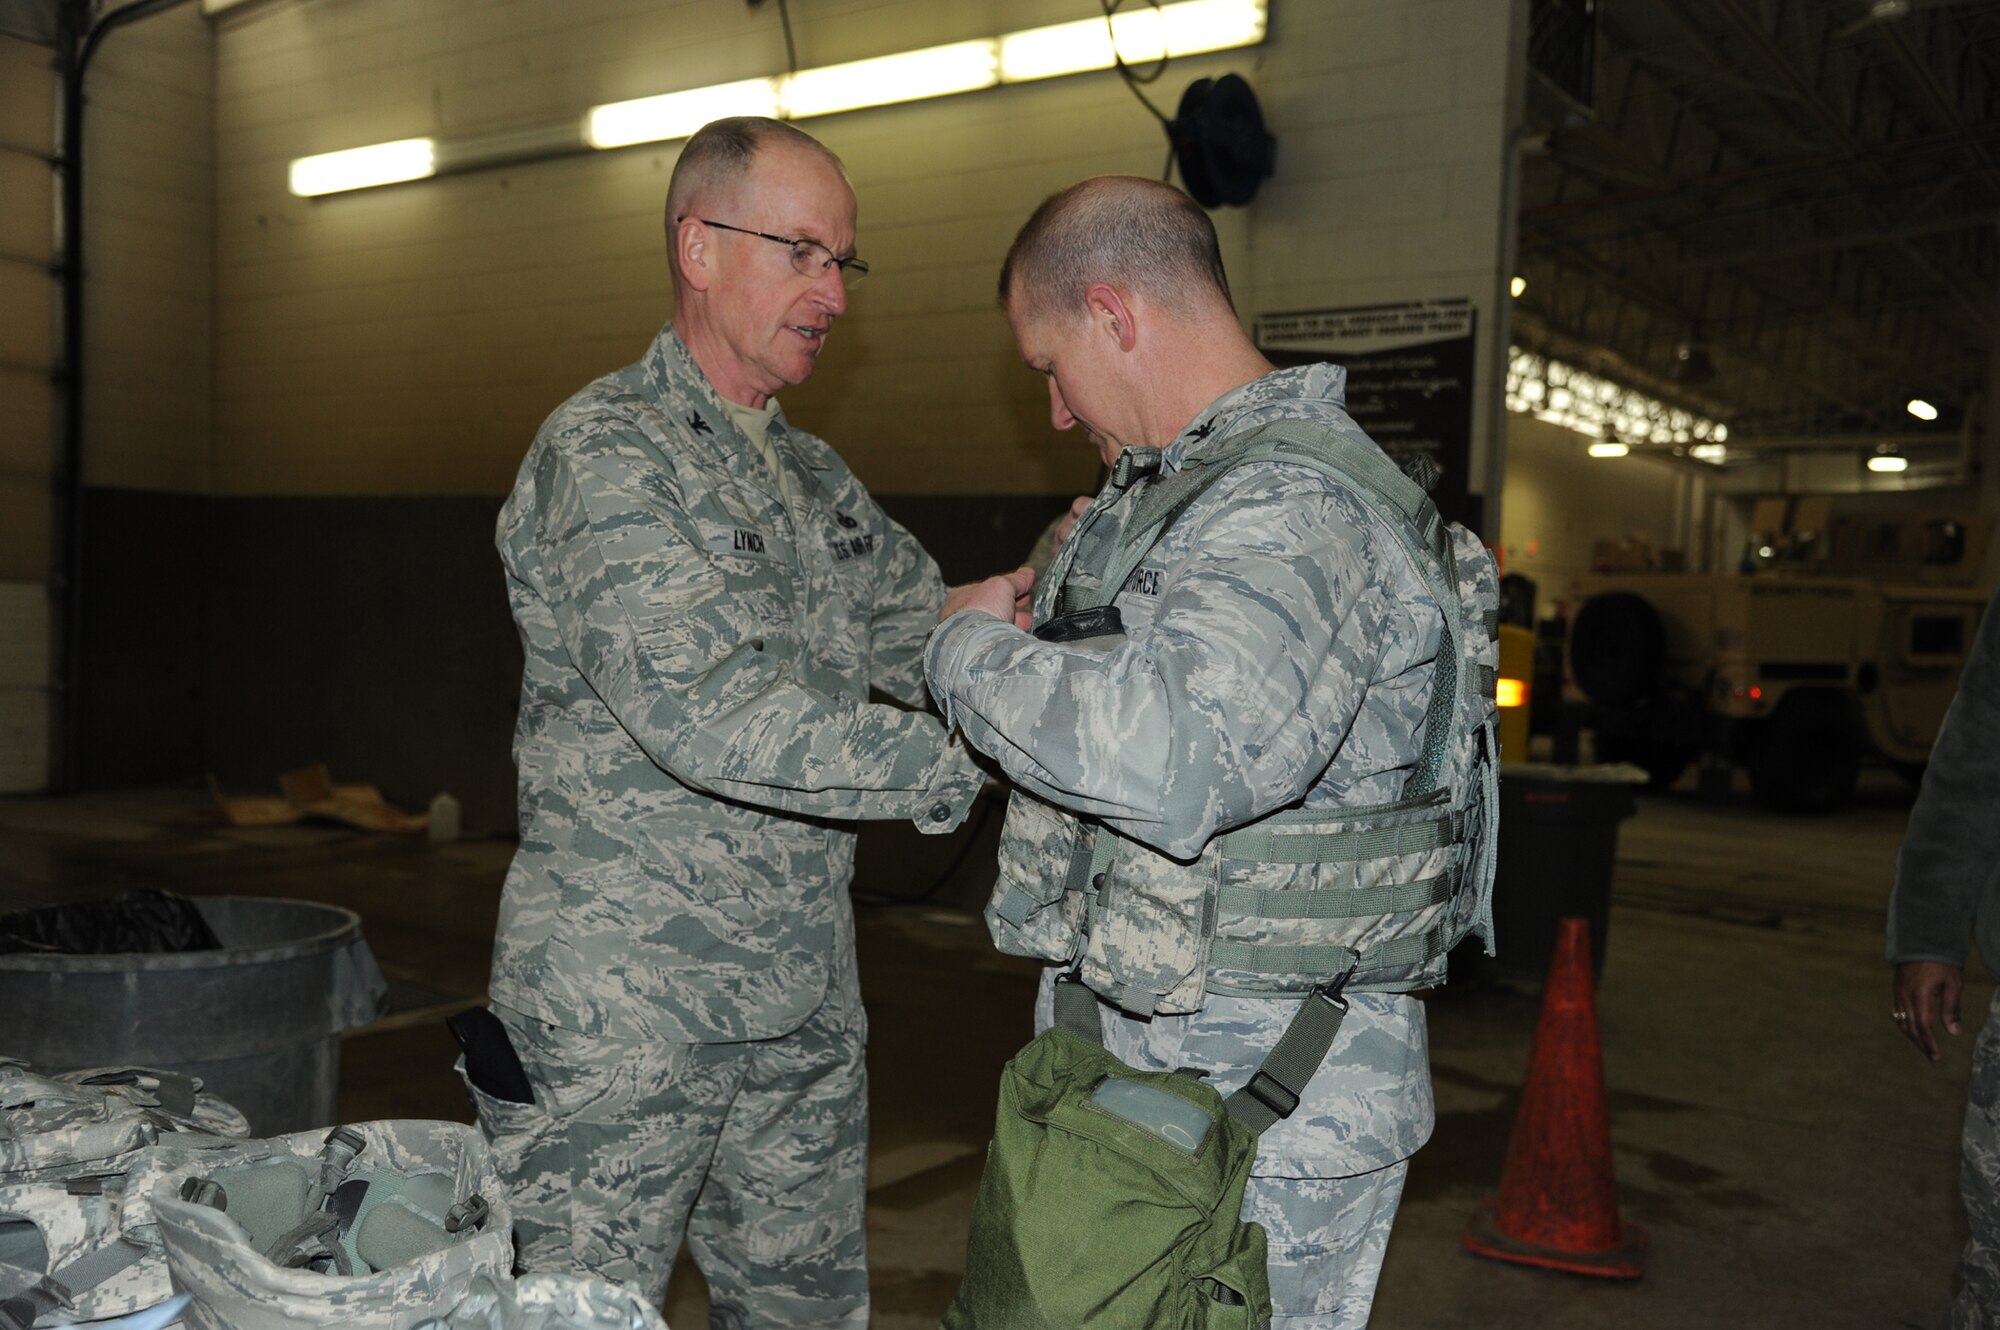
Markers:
<point>531,1154</point>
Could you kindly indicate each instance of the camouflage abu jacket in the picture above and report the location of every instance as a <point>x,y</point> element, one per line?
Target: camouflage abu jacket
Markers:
<point>1279,648</point>
<point>695,728</point>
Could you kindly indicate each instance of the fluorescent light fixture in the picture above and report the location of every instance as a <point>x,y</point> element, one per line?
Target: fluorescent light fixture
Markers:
<point>1195,26</point>
<point>1141,36</point>
<point>937,71</point>
<point>1517,286</point>
<point>1921,409</point>
<point>360,168</point>
<point>675,115</point>
<point>1189,27</point>
<point>1609,449</point>
<point>1709,452</point>
<point>1889,462</point>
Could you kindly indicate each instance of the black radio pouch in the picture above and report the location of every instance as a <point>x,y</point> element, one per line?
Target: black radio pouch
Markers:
<point>1076,625</point>
<point>491,1063</point>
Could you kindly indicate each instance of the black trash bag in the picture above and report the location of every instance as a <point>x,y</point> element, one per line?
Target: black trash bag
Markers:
<point>145,921</point>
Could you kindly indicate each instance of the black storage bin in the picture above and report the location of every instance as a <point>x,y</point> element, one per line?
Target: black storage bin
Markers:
<point>1558,844</point>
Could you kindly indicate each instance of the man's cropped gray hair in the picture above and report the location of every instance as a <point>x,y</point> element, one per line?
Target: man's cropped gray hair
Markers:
<point>1126,230</point>
<point>721,151</point>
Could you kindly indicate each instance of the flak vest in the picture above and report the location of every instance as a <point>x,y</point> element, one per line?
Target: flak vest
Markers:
<point>1301,902</point>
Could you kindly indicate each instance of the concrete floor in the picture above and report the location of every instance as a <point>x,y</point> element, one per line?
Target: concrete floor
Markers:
<point>1794,1160</point>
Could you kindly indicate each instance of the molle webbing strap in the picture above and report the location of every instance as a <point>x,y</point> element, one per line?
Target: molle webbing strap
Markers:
<point>1279,958</point>
<point>1267,842</point>
<point>93,1268</point>
<point>1337,902</point>
<point>1076,1010</point>
<point>20,1308</point>
<point>1090,853</point>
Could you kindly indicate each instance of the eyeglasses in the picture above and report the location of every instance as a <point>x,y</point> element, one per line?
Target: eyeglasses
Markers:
<point>809,257</point>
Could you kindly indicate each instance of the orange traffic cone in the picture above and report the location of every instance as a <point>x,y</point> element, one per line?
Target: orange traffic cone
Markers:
<point>1558,1205</point>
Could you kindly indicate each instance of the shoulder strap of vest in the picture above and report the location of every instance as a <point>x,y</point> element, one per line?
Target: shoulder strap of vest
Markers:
<point>1403,507</point>
<point>1398,501</point>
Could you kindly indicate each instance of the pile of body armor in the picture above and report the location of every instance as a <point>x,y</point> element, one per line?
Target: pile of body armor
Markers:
<point>131,1198</point>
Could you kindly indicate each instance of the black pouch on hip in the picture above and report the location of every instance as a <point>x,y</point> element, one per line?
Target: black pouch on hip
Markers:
<point>491,1063</point>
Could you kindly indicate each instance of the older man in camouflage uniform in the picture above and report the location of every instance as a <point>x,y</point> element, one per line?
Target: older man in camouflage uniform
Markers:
<point>1948,887</point>
<point>1279,647</point>
<point>706,595</point>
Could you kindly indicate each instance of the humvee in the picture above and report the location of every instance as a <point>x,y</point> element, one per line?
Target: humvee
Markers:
<point>1799,670</point>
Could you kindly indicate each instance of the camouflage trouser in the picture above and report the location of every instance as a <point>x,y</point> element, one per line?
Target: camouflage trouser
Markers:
<point>1978,1303</point>
<point>758,1151</point>
<point>1326,1237</point>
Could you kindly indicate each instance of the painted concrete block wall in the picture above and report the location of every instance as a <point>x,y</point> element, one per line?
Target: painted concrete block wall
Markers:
<point>1558,501</point>
<point>27,306</point>
<point>149,185</point>
<point>363,352</point>
<point>24,687</point>
<point>1394,167</point>
<point>408,340</point>
<point>27,400</point>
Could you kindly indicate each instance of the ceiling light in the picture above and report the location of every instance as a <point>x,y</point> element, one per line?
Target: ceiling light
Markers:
<point>937,71</point>
<point>1921,409</point>
<point>1609,449</point>
<point>1141,36</point>
<point>360,168</point>
<point>1517,286</point>
<point>1709,452</point>
<point>1692,363</point>
<point>1889,462</point>
<point>1189,27</point>
<point>675,115</point>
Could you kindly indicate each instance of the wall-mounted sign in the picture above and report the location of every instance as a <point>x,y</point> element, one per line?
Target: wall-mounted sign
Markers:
<point>1409,380</point>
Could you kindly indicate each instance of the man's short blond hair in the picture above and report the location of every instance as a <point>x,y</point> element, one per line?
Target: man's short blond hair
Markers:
<point>1134,233</point>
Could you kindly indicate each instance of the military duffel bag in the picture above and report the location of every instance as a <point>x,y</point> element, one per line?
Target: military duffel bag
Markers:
<point>1111,1198</point>
<point>376,1226</point>
<point>75,1244</point>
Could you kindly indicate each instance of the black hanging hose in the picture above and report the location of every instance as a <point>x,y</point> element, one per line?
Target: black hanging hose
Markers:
<point>77,42</point>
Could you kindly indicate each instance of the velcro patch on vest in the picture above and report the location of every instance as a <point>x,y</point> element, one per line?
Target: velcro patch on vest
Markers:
<point>737,541</point>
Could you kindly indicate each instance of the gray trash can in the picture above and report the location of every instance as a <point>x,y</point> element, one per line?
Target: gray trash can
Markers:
<point>1558,847</point>
<point>258,1020</point>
